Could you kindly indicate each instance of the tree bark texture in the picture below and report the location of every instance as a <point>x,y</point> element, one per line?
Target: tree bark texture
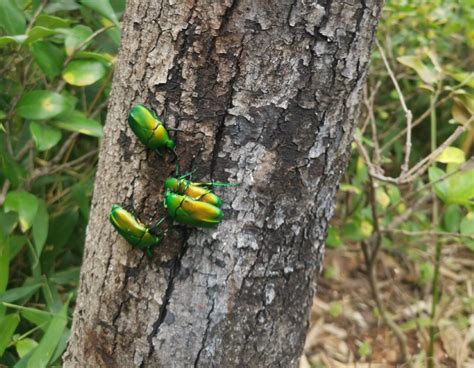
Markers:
<point>266,94</point>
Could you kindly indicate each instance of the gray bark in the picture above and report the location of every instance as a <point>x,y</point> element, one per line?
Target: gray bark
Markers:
<point>266,93</point>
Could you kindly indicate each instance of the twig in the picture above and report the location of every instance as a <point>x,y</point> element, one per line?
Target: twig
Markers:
<point>423,165</point>
<point>370,259</point>
<point>48,170</point>
<point>408,113</point>
<point>428,233</point>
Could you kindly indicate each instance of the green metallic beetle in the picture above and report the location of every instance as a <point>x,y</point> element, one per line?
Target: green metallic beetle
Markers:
<point>187,210</point>
<point>133,230</point>
<point>198,191</point>
<point>149,129</point>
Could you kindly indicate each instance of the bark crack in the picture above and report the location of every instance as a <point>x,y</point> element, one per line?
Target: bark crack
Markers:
<point>203,345</point>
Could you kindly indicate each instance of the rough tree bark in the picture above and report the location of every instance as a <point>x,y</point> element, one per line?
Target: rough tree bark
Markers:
<point>266,93</point>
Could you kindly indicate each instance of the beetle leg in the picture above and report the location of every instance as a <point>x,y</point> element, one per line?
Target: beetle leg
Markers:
<point>157,224</point>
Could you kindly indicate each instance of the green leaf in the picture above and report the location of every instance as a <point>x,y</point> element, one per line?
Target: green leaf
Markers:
<point>16,243</point>
<point>12,295</point>
<point>333,240</point>
<point>38,317</point>
<point>77,122</point>
<point>60,5</point>
<point>365,349</point>
<point>426,273</point>
<point>44,351</point>
<point>4,264</point>
<point>66,277</point>
<point>39,105</point>
<point>62,345</point>
<point>461,187</point>
<point>45,137</point>
<point>452,218</point>
<point>38,33</point>
<point>102,7</point>
<point>5,40</point>
<point>51,21</point>
<point>467,224</point>
<point>441,187</point>
<point>99,56</point>
<point>12,170</point>
<point>24,346</point>
<point>8,325</point>
<point>76,37</point>
<point>12,19</point>
<point>40,227</point>
<point>335,309</point>
<point>427,74</point>
<point>84,72</point>
<point>23,203</point>
<point>51,295</point>
<point>8,222</point>
<point>451,155</point>
<point>48,57</point>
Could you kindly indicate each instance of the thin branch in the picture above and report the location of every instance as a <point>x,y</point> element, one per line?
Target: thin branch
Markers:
<point>408,113</point>
<point>423,164</point>
<point>430,233</point>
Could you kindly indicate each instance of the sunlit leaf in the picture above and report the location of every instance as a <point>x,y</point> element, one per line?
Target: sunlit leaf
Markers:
<point>45,137</point>
<point>38,33</point>
<point>451,155</point>
<point>43,353</point>
<point>23,203</point>
<point>5,40</point>
<point>467,224</point>
<point>24,346</point>
<point>427,74</point>
<point>8,325</point>
<point>84,72</point>
<point>39,105</point>
<point>76,37</point>
<point>382,198</point>
<point>77,122</point>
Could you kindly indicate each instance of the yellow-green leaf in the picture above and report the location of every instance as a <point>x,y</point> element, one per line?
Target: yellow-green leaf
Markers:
<point>427,74</point>
<point>25,204</point>
<point>84,72</point>
<point>39,105</point>
<point>451,155</point>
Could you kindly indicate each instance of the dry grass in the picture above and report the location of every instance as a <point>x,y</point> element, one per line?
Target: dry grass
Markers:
<point>344,314</point>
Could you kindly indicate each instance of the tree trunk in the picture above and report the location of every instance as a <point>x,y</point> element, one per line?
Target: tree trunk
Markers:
<point>266,93</point>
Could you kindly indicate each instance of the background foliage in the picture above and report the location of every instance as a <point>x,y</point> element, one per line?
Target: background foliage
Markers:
<point>400,246</point>
<point>56,60</point>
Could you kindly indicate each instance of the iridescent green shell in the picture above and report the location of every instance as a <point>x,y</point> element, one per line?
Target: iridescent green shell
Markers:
<point>149,129</point>
<point>198,191</point>
<point>132,229</point>
<point>186,210</point>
